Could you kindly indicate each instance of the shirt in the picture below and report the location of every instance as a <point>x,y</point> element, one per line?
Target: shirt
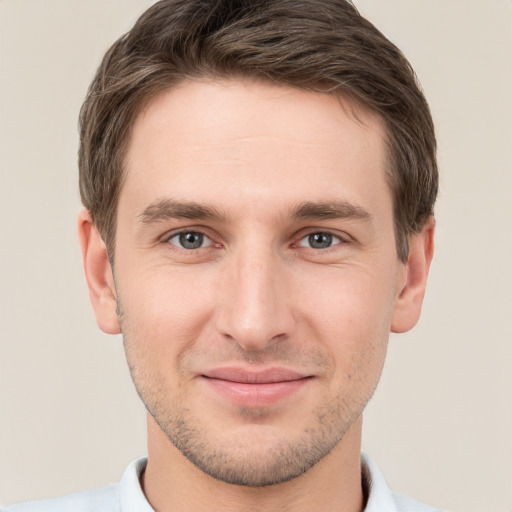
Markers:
<point>127,495</point>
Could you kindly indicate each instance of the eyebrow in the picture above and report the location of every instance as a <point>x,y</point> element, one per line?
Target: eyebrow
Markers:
<point>166,209</point>
<point>311,210</point>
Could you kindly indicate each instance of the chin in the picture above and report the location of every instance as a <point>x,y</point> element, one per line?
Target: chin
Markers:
<point>253,455</point>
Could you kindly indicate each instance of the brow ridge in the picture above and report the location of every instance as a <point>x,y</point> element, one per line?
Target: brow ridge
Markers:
<point>166,209</point>
<point>338,209</point>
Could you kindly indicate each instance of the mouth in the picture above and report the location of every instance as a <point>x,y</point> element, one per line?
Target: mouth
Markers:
<point>254,388</point>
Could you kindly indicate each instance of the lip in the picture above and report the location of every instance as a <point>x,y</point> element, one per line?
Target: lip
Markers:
<point>249,388</point>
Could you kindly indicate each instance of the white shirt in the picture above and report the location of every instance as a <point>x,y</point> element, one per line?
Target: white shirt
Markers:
<point>127,496</point>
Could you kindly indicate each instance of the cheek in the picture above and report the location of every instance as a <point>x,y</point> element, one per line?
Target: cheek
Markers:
<point>165,309</point>
<point>348,299</point>
<point>350,311</point>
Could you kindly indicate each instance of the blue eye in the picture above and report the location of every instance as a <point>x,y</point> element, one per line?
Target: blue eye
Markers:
<point>320,240</point>
<point>190,240</point>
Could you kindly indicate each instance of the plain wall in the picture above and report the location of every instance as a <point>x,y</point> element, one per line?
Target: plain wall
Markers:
<point>440,423</point>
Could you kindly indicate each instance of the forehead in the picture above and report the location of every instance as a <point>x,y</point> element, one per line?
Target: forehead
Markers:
<point>220,141</point>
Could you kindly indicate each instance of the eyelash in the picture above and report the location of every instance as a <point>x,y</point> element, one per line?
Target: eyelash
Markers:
<point>331,236</point>
<point>337,240</point>
<point>190,232</point>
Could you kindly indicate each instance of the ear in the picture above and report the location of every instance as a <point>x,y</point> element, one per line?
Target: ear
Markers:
<point>98,273</point>
<point>407,309</point>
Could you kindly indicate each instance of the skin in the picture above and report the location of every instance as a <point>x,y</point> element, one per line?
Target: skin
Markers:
<point>262,170</point>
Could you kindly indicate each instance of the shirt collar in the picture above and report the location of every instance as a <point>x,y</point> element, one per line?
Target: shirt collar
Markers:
<point>132,498</point>
<point>380,497</point>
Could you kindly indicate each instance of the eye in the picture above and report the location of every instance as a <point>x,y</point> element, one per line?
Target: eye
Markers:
<point>190,240</point>
<point>320,240</point>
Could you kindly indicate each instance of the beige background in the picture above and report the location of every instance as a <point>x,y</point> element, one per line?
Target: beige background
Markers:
<point>440,424</point>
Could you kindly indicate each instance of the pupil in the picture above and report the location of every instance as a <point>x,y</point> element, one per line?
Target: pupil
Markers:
<point>191,240</point>
<point>320,240</point>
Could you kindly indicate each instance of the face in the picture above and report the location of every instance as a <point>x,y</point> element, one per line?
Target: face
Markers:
<point>256,273</point>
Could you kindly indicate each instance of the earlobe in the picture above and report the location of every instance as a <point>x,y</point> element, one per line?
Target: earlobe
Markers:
<point>407,309</point>
<point>98,273</point>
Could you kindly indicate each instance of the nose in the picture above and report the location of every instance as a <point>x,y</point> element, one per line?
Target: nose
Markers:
<point>255,303</point>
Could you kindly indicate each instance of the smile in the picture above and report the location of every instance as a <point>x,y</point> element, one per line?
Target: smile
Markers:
<point>254,389</point>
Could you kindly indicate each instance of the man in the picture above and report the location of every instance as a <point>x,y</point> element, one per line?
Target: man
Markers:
<point>258,180</point>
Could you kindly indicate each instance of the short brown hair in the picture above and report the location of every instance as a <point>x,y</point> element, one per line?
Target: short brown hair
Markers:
<point>319,45</point>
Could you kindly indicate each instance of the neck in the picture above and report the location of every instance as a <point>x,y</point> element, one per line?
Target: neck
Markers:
<point>172,483</point>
